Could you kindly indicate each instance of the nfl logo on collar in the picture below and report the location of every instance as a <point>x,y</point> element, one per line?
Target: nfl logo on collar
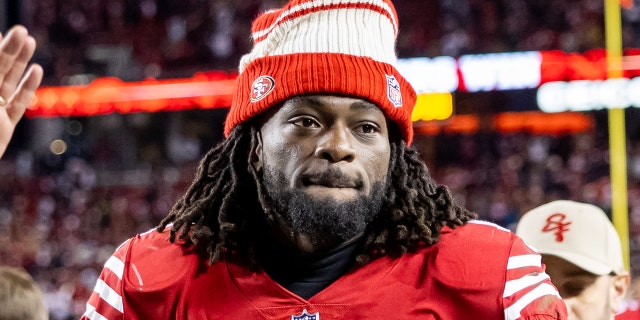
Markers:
<point>306,316</point>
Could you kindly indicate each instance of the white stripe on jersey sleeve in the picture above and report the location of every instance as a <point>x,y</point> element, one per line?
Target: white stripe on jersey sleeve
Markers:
<point>491,224</point>
<point>526,260</point>
<point>109,295</point>
<point>116,266</point>
<point>92,314</point>
<point>544,289</point>
<point>513,286</point>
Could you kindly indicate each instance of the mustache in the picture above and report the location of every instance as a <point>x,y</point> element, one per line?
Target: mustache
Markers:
<point>333,178</point>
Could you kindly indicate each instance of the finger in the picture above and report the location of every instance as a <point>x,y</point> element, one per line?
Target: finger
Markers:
<point>14,75</point>
<point>25,92</point>
<point>10,47</point>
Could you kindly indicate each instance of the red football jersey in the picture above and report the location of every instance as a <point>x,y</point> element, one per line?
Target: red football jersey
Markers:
<point>477,271</point>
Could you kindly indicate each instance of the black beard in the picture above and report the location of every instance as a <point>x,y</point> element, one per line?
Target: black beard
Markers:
<point>325,221</point>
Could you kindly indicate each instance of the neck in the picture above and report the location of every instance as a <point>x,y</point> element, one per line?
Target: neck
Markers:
<point>302,273</point>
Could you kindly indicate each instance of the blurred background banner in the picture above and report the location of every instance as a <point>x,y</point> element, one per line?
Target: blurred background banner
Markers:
<point>513,112</point>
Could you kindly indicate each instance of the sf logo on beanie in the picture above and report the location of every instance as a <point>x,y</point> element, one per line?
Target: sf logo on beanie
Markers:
<point>261,87</point>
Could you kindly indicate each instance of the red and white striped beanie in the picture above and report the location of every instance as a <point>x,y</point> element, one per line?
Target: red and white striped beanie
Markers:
<point>341,47</point>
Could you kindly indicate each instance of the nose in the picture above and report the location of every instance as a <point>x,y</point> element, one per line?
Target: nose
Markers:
<point>336,144</point>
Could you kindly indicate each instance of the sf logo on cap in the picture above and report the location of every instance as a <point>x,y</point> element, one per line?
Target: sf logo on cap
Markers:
<point>557,222</point>
<point>261,87</point>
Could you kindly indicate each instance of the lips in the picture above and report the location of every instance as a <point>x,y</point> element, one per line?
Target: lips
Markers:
<point>331,179</point>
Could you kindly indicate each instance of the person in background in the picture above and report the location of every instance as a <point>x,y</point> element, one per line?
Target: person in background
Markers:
<point>630,307</point>
<point>582,252</point>
<point>316,206</point>
<point>17,87</point>
<point>20,296</point>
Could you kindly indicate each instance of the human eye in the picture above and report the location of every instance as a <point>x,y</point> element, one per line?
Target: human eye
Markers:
<point>368,128</point>
<point>571,290</point>
<point>575,286</point>
<point>305,122</point>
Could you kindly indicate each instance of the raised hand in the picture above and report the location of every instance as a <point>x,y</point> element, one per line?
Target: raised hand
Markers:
<point>17,87</point>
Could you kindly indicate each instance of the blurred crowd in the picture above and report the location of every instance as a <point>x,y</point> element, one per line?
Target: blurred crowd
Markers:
<point>135,39</point>
<point>63,214</point>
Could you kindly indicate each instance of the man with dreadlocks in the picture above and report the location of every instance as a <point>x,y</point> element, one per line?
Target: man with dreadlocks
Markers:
<point>315,206</point>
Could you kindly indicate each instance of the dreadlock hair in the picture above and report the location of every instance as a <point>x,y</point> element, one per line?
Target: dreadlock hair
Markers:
<point>225,200</point>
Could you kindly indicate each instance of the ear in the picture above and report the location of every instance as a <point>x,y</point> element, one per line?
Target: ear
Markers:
<point>255,156</point>
<point>619,288</point>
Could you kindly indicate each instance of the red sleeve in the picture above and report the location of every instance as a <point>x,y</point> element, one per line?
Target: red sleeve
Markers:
<point>106,301</point>
<point>528,291</point>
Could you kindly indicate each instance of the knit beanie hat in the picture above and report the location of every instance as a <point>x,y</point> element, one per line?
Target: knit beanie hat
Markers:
<point>336,47</point>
